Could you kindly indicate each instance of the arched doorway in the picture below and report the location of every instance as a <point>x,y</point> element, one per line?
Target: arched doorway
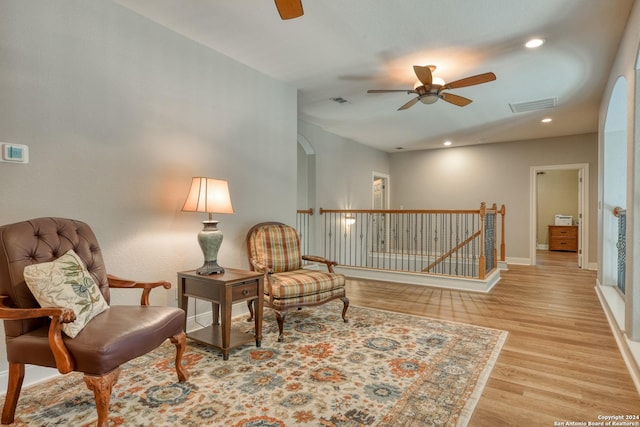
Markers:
<point>306,189</point>
<point>614,187</point>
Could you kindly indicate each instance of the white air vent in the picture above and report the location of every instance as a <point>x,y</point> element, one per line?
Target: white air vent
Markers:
<point>540,104</point>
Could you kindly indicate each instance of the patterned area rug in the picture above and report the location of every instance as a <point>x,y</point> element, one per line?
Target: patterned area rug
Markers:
<point>380,369</point>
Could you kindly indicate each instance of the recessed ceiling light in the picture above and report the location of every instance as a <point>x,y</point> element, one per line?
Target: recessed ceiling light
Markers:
<point>547,120</point>
<point>533,43</point>
<point>447,143</point>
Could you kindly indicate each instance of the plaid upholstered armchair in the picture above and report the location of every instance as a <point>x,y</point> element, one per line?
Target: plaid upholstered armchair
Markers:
<point>274,249</point>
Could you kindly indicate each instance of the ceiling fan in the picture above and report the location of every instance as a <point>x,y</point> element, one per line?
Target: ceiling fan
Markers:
<point>429,92</point>
<point>289,9</point>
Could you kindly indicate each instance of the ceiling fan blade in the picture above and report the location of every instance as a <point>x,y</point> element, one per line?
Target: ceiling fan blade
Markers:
<point>458,100</point>
<point>470,81</point>
<point>289,9</point>
<point>410,103</point>
<point>390,90</point>
<point>423,74</point>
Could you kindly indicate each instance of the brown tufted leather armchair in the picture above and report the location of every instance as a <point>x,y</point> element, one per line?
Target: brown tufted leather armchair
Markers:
<point>33,335</point>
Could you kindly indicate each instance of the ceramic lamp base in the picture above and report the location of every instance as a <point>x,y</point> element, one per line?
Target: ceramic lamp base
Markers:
<point>210,239</point>
<point>210,267</point>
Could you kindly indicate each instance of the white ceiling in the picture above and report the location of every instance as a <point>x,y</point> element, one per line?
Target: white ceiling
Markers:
<point>342,48</point>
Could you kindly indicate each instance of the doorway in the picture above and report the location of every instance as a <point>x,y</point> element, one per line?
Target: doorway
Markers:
<point>380,201</point>
<point>578,174</point>
<point>380,191</point>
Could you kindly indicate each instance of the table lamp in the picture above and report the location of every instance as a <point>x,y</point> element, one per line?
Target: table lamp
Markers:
<point>210,196</point>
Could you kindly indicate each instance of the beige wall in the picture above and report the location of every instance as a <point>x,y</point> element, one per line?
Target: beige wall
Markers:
<point>345,169</point>
<point>119,113</point>
<point>463,177</point>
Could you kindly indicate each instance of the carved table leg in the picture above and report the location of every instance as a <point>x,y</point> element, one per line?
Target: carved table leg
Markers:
<point>101,387</point>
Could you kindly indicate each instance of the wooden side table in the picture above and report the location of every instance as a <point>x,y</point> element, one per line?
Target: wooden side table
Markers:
<point>223,290</point>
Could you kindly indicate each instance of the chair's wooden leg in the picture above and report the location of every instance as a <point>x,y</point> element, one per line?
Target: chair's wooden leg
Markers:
<point>345,300</point>
<point>101,387</point>
<point>16,376</point>
<point>180,341</point>
<point>250,306</point>
<point>280,315</point>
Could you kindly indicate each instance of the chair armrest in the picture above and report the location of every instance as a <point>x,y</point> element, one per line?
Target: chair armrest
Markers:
<point>64,361</point>
<point>11,313</point>
<point>261,268</point>
<point>117,282</point>
<point>321,260</point>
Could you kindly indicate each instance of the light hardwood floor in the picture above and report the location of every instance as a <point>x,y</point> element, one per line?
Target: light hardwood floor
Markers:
<point>560,362</point>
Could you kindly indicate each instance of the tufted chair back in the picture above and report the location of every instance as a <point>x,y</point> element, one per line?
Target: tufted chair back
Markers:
<point>43,240</point>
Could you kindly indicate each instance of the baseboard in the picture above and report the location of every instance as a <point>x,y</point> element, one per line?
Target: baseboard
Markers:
<point>205,319</point>
<point>438,281</point>
<point>527,261</point>
<point>518,261</point>
<point>630,350</point>
<point>32,375</point>
<point>591,266</point>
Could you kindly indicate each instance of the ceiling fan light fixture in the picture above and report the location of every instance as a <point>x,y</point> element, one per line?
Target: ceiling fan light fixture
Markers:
<point>429,98</point>
<point>430,90</point>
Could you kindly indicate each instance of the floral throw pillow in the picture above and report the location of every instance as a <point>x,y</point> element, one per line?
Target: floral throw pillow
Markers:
<point>66,283</point>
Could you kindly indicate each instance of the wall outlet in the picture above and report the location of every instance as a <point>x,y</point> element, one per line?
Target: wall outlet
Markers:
<point>14,153</point>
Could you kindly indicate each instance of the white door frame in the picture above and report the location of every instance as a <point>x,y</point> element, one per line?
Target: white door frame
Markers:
<point>386,177</point>
<point>381,245</point>
<point>583,200</point>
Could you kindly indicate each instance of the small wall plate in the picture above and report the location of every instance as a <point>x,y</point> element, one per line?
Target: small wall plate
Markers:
<point>14,153</point>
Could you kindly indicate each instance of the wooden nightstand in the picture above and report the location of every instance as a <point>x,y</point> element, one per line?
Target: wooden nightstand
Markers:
<point>223,290</point>
<point>563,238</point>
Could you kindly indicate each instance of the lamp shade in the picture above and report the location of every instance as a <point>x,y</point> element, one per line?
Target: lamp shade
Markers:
<point>208,195</point>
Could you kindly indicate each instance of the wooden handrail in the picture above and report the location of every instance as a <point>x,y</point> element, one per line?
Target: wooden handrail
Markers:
<point>494,208</point>
<point>452,251</point>
<point>482,265</point>
<point>305,211</point>
<point>400,211</point>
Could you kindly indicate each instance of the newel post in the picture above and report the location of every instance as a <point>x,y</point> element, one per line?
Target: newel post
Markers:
<point>494,208</point>
<point>482,268</point>
<point>502,245</point>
